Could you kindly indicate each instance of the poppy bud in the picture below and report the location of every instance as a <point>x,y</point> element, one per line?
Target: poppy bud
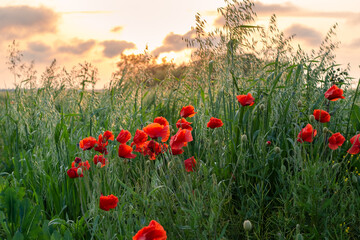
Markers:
<point>299,104</point>
<point>283,168</point>
<point>247,225</point>
<point>277,149</point>
<point>243,138</point>
<point>98,165</point>
<point>325,130</point>
<point>79,171</point>
<point>262,107</point>
<point>312,118</point>
<point>268,143</point>
<point>354,179</point>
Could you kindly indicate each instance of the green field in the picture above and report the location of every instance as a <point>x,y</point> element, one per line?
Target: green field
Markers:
<point>285,188</point>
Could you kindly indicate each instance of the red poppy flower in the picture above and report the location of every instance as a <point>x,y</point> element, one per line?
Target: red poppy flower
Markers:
<point>183,124</point>
<point>161,121</point>
<point>336,140</point>
<point>100,159</point>
<point>108,202</point>
<point>139,149</point>
<point>84,165</point>
<point>175,151</point>
<point>307,134</point>
<point>190,164</point>
<point>180,139</point>
<point>334,93</point>
<point>321,115</point>
<point>101,145</point>
<point>125,151</point>
<point>355,141</point>
<point>73,173</point>
<point>246,100</point>
<point>214,123</point>
<point>152,232</point>
<point>87,143</point>
<point>77,160</point>
<point>140,138</point>
<point>156,130</point>
<point>123,136</point>
<point>187,111</point>
<point>268,143</point>
<point>152,149</point>
<point>164,147</point>
<point>108,135</point>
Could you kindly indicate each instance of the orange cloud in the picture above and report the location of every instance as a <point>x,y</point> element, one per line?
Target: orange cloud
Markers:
<point>38,52</point>
<point>38,47</point>
<point>309,35</point>
<point>114,48</point>
<point>174,42</point>
<point>117,29</point>
<point>354,44</point>
<point>24,21</point>
<point>288,9</point>
<point>77,46</point>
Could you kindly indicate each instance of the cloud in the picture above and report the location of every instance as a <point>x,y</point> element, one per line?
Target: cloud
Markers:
<point>355,43</point>
<point>309,35</point>
<point>39,52</point>
<point>117,29</point>
<point>264,9</point>
<point>288,9</point>
<point>77,46</point>
<point>23,21</point>
<point>354,19</point>
<point>174,42</point>
<point>114,48</point>
<point>38,47</point>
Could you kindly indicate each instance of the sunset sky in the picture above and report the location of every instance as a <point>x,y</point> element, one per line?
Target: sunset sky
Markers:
<point>98,31</point>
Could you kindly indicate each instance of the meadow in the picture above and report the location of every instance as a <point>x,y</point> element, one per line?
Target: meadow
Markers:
<point>257,167</point>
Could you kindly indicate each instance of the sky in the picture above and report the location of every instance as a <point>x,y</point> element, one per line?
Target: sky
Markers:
<point>99,31</point>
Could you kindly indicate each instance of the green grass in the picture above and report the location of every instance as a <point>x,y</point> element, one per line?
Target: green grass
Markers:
<point>285,189</point>
<point>304,184</point>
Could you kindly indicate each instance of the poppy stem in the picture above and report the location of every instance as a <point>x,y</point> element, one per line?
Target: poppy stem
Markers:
<point>325,134</point>
<point>239,127</point>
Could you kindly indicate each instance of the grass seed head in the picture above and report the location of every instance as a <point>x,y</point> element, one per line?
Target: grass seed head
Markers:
<point>262,107</point>
<point>299,104</point>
